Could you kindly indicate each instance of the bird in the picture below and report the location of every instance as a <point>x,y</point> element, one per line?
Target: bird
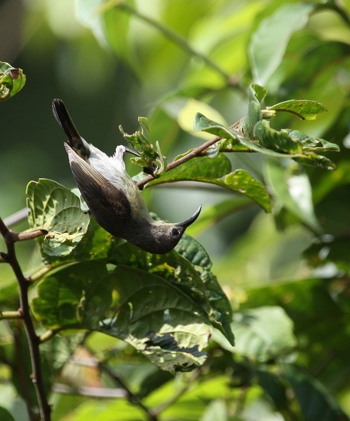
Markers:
<point>112,196</point>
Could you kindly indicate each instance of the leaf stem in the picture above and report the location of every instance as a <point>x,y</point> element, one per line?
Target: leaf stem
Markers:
<point>193,154</point>
<point>10,238</point>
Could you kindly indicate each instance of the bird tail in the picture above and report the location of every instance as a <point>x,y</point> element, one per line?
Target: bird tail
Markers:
<point>63,118</point>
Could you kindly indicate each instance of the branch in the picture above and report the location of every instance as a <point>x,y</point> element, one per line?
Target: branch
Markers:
<point>196,152</point>
<point>178,395</point>
<point>10,238</point>
<point>133,399</point>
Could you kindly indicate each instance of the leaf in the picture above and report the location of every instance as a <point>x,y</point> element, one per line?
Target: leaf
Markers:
<point>310,158</point>
<point>261,334</point>
<point>56,209</point>
<point>260,91</point>
<point>315,401</point>
<point>193,251</point>
<point>216,212</point>
<point>216,410</point>
<point>292,187</point>
<point>274,387</point>
<point>5,415</point>
<point>12,81</point>
<point>141,308</point>
<point>279,141</point>
<point>305,109</point>
<point>209,170</point>
<point>253,115</point>
<point>268,43</point>
<point>312,143</point>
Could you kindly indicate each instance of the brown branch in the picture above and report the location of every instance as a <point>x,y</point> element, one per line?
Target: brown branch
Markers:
<point>33,340</point>
<point>196,152</point>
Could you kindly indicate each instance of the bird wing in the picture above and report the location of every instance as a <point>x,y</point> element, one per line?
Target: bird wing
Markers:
<point>108,204</point>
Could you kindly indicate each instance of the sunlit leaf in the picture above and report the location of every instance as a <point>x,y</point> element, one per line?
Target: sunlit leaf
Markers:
<point>305,109</point>
<point>211,171</point>
<point>12,81</point>
<point>55,208</point>
<point>269,41</point>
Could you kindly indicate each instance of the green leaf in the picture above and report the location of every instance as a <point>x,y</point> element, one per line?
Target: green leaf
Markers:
<point>215,411</point>
<point>12,81</point>
<point>211,171</point>
<point>215,213</point>
<point>253,115</point>
<point>141,308</point>
<point>5,415</point>
<point>269,41</point>
<point>315,401</point>
<point>193,251</point>
<point>259,91</point>
<point>274,387</point>
<point>312,143</point>
<point>56,209</point>
<point>310,158</point>
<point>292,187</point>
<point>305,109</point>
<point>261,334</point>
<point>279,141</point>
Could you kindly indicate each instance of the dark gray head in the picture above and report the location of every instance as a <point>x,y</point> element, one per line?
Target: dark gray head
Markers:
<point>161,237</point>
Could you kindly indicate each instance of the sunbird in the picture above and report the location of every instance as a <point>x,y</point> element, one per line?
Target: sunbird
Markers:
<point>112,196</point>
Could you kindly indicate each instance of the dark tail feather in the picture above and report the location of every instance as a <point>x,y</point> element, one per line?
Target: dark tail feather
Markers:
<point>64,120</point>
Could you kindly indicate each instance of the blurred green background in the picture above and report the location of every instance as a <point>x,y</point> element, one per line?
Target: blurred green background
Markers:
<point>110,65</point>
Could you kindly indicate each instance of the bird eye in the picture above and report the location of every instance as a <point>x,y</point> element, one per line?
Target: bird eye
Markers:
<point>175,232</point>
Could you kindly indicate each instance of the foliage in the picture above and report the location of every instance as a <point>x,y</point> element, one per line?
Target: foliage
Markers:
<point>262,333</point>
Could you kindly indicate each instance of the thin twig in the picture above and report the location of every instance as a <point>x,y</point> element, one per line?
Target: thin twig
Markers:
<point>196,152</point>
<point>10,238</point>
<point>128,393</point>
<point>178,395</point>
<point>16,217</point>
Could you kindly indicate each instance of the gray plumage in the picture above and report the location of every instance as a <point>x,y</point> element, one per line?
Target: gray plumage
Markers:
<point>112,197</point>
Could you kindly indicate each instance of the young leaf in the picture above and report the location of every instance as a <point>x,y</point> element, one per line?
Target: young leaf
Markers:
<point>312,143</point>
<point>56,209</point>
<point>253,115</point>
<point>305,109</point>
<point>12,81</point>
<point>269,41</point>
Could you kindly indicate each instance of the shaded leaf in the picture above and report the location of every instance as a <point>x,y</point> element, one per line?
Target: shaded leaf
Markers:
<point>273,387</point>
<point>56,209</point>
<point>305,109</point>
<point>312,143</point>
<point>5,415</point>
<point>12,81</point>
<point>268,43</point>
<point>310,158</point>
<point>315,401</point>
<point>254,114</point>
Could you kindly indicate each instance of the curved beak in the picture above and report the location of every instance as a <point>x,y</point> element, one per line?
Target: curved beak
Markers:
<point>190,221</point>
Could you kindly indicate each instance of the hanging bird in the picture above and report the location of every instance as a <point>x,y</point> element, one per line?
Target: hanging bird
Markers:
<point>112,196</point>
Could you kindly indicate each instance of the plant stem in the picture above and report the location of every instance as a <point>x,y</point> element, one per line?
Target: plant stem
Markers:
<point>10,238</point>
<point>181,42</point>
<point>177,395</point>
<point>196,152</point>
<point>129,395</point>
